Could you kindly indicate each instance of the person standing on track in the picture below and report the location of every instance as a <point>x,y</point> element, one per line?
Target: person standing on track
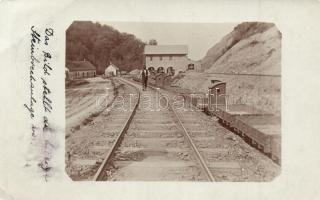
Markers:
<point>146,79</point>
<point>144,76</point>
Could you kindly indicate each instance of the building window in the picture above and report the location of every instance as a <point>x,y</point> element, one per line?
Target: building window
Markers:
<point>150,58</point>
<point>191,67</point>
<point>160,57</point>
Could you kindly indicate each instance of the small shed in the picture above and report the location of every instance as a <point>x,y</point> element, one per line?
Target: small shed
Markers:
<point>123,72</point>
<point>217,93</point>
<point>112,70</point>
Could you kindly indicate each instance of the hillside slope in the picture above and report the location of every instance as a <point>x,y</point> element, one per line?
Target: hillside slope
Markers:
<point>237,38</point>
<point>258,54</point>
<point>251,48</point>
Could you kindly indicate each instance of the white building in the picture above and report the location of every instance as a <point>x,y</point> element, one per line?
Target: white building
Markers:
<point>111,70</point>
<point>170,59</point>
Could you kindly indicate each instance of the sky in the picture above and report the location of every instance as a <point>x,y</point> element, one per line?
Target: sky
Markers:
<point>199,37</point>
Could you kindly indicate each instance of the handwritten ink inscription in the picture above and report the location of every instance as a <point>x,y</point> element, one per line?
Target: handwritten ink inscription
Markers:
<point>35,42</point>
<point>40,72</point>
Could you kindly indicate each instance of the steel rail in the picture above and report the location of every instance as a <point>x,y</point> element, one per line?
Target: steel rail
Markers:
<point>204,166</point>
<point>100,173</point>
<point>202,162</point>
<point>99,176</point>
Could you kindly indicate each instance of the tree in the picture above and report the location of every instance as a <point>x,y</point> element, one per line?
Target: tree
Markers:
<point>153,42</point>
<point>101,44</point>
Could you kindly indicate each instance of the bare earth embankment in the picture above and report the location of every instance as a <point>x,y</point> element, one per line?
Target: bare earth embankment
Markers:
<point>249,60</point>
<point>84,101</point>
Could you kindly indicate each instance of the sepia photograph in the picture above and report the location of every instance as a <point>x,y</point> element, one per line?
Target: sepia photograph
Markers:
<point>149,101</point>
<point>159,100</point>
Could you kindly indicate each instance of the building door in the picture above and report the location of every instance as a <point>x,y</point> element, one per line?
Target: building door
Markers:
<point>150,69</point>
<point>160,70</point>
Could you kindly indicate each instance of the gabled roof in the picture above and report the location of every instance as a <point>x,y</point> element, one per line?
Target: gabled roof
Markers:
<point>215,83</point>
<point>112,65</point>
<point>166,50</point>
<point>80,66</point>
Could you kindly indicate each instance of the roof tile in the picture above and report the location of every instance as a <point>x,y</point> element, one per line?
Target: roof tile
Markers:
<point>80,66</point>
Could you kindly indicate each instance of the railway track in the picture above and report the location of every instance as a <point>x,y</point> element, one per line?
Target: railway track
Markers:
<point>92,147</point>
<point>153,140</point>
<point>153,145</point>
<point>225,158</point>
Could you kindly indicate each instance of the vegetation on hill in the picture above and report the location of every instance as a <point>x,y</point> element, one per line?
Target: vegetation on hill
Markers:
<point>102,44</point>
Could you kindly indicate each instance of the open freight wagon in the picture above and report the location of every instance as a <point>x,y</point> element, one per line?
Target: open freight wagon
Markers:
<point>261,129</point>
